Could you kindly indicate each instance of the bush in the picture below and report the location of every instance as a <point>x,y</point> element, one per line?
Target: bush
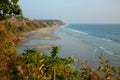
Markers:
<point>38,66</point>
<point>21,28</point>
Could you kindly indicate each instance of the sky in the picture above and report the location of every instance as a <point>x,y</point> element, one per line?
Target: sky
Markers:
<point>73,11</point>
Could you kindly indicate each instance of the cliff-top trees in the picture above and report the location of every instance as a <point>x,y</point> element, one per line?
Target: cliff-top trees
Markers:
<point>9,8</point>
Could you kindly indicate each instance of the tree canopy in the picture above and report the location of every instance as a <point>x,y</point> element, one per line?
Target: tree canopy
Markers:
<point>9,8</point>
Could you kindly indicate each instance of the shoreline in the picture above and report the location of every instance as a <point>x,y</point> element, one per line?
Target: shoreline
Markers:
<point>48,30</point>
<point>43,34</point>
<point>69,45</point>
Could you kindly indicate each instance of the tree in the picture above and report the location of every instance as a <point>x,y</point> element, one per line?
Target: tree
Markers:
<point>55,51</point>
<point>9,8</point>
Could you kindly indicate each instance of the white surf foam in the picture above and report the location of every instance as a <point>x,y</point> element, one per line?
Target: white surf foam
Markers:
<point>64,26</point>
<point>76,31</point>
<point>108,40</point>
<point>105,50</point>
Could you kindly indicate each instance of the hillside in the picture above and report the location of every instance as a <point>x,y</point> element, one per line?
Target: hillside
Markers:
<point>10,30</point>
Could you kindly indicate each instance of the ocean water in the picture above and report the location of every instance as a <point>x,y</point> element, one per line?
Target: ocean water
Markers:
<point>83,42</point>
<point>89,40</point>
<point>105,31</point>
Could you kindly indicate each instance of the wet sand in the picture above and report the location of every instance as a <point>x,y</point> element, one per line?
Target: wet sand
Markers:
<point>25,36</point>
<point>40,34</point>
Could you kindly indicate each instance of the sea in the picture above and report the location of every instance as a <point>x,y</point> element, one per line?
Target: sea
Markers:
<point>85,42</point>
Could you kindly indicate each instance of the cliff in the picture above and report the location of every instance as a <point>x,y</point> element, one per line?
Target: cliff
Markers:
<point>10,31</point>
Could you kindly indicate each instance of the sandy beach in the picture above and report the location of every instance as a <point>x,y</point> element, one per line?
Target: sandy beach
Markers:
<point>49,30</point>
<point>40,34</point>
<point>42,31</point>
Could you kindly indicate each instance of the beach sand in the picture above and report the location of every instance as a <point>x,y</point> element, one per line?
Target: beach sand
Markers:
<point>49,30</point>
<point>40,34</point>
<point>42,46</point>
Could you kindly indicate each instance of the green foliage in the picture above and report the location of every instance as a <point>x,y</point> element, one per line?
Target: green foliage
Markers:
<point>106,68</point>
<point>30,24</point>
<point>33,64</point>
<point>55,51</point>
<point>12,28</point>
<point>21,28</point>
<point>29,65</point>
<point>8,8</point>
<point>42,25</point>
<point>36,26</point>
<point>38,66</point>
<point>104,72</point>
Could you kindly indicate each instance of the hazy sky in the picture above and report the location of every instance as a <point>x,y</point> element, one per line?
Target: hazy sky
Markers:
<point>73,11</point>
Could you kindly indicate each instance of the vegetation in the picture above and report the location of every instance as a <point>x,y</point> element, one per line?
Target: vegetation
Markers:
<point>9,8</point>
<point>38,66</point>
<point>34,65</point>
<point>10,31</point>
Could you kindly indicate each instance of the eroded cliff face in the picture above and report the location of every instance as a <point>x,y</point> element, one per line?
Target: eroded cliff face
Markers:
<point>10,31</point>
<point>32,24</point>
<point>15,26</point>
